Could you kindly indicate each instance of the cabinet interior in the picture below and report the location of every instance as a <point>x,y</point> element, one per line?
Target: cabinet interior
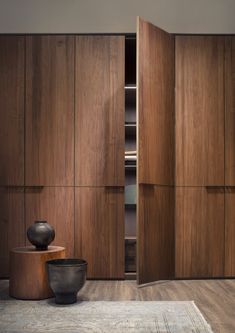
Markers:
<point>130,157</point>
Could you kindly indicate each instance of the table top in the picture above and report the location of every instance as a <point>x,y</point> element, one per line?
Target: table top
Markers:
<point>32,250</point>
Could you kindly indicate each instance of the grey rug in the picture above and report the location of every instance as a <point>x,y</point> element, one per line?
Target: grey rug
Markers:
<point>101,317</point>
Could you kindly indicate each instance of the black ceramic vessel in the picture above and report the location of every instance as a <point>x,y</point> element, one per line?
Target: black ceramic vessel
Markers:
<point>66,278</point>
<point>41,234</point>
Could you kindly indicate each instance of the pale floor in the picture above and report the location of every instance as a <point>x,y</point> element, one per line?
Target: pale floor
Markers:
<point>214,298</point>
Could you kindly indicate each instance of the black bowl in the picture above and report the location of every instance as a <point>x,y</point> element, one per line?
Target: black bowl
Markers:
<point>66,278</point>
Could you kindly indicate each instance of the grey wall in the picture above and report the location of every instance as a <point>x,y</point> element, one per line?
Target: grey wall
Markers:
<point>90,16</point>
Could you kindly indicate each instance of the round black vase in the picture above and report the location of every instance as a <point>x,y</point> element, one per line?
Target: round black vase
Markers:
<point>66,277</point>
<point>41,234</point>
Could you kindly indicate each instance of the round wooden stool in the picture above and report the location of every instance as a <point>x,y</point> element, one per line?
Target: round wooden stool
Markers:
<point>28,275</point>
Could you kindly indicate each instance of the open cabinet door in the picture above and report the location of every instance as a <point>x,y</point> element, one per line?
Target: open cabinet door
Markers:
<point>155,139</point>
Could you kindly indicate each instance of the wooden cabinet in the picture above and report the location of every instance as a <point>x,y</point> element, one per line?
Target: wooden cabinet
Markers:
<point>99,154</point>
<point>155,100</point>
<point>99,230</point>
<point>99,111</point>
<point>12,110</point>
<point>155,233</point>
<point>155,114</point>
<point>62,131</point>
<point>230,110</point>
<point>55,205</point>
<point>229,232</point>
<point>49,121</point>
<point>230,156</point>
<point>12,55</point>
<point>199,232</point>
<point>199,110</point>
<point>12,225</point>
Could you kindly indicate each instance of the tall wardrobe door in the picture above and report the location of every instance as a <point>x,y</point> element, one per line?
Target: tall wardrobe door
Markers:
<point>230,157</point>
<point>199,110</point>
<point>12,227</point>
<point>99,111</point>
<point>99,230</point>
<point>155,115</point>
<point>230,110</point>
<point>56,206</point>
<point>199,223</point>
<point>155,100</point>
<point>12,54</point>
<point>12,110</point>
<point>155,233</point>
<point>49,132</point>
<point>229,232</point>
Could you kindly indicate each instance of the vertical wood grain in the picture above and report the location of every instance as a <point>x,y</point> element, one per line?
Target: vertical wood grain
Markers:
<point>99,111</point>
<point>12,110</point>
<point>12,227</point>
<point>155,141</point>
<point>199,110</point>
<point>199,233</point>
<point>230,110</point>
<point>56,206</point>
<point>155,233</point>
<point>155,66</point>
<point>49,133</point>
<point>99,230</point>
<point>229,232</point>
<point>230,155</point>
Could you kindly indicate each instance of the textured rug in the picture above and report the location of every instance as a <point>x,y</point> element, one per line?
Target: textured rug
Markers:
<point>101,317</point>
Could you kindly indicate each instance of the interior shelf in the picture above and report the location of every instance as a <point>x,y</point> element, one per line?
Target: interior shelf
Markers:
<point>130,125</point>
<point>130,87</point>
<point>130,275</point>
<point>130,167</point>
<point>130,130</point>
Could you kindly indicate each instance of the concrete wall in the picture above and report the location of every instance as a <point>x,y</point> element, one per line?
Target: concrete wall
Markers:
<point>100,16</point>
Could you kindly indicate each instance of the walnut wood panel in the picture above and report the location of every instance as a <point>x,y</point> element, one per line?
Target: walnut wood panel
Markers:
<point>99,230</point>
<point>12,227</point>
<point>49,135</point>
<point>99,110</point>
<point>28,275</point>
<point>229,232</point>
<point>155,241</point>
<point>199,234</point>
<point>199,110</point>
<point>230,111</point>
<point>155,80</point>
<point>55,205</point>
<point>12,110</point>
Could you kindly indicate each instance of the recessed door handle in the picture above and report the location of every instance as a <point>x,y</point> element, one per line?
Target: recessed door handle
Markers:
<point>215,186</point>
<point>153,184</point>
<point>220,186</point>
<point>119,188</point>
<point>34,188</point>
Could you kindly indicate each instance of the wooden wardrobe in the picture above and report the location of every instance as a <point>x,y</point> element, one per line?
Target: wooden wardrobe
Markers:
<point>62,145</point>
<point>204,141</point>
<point>63,101</point>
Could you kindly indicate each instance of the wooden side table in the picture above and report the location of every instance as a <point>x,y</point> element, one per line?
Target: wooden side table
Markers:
<point>28,275</point>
